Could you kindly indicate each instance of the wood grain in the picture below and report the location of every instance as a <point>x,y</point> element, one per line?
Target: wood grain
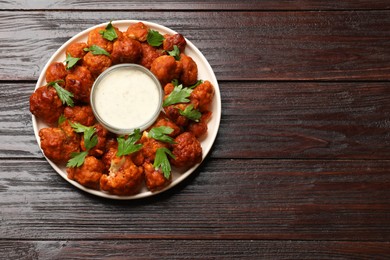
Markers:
<point>223,199</point>
<point>239,45</point>
<point>300,166</point>
<point>193,249</point>
<point>216,5</point>
<point>265,120</point>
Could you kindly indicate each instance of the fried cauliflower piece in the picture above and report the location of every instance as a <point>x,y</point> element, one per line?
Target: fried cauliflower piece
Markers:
<point>81,114</point>
<point>189,75</point>
<point>199,129</point>
<point>88,174</point>
<point>154,180</point>
<point>96,64</point>
<point>95,38</point>
<point>76,49</point>
<point>149,54</point>
<point>138,31</point>
<point>79,81</point>
<point>46,105</point>
<point>150,146</point>
<point>124,178</point>
<point>58,143</point>
<point>126,50</point>
<point>202,96</point>
<point>56,71</point>
<point>172,40</point>
<point>164,121</point>
<point>166,68</point>
<point>172,112</point>
<point>187,151</point>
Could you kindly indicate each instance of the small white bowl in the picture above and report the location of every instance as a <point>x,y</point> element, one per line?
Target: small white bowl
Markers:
<point>126,97</point>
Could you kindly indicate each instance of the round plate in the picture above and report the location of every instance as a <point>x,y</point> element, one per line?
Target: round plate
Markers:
<point>204,72</point>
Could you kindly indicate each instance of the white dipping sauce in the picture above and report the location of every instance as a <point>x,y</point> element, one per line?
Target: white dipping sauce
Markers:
<point>127,98</point>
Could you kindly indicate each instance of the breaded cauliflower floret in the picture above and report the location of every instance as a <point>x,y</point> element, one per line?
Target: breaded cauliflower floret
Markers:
<point>154,179</point>
<point>124,178</point>
<point>88,174</point>
<point>58,143</point>
<point>187,151</point>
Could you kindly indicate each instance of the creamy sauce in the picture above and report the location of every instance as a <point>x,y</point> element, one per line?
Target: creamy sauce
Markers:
<point>127,98</point>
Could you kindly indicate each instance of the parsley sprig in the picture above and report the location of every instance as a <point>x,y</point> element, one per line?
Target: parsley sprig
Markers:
<point>90,141</point>
<point>128,146</point>
<point>154,38</point>
<point>178,95</point>
<point>70,61</point>
<point>97,50</point>
<point>175,52</point>
<point>63,94</point>
<point>161,161</point>
<point>109,32</point>
<point>161,133</point>
<point>191,113</point>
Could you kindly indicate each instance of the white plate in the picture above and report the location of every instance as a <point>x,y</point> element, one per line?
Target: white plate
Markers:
<point>204,72</point>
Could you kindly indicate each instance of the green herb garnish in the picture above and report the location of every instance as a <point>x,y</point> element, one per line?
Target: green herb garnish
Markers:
<point>109,32</point>
<point>154,38</point>
<point>70,61</point>
<point>90,141</point>
<point>161,161</point>
<point>178,95</point>
<point>191,113</point>
<point>161,133</point>
<point>175,52</point>
<point>196,84</point>
<point>97,50</point>
<point>61,119</point>
<point>63,94</point>
<point>128,146</point>
<point>77,159</point>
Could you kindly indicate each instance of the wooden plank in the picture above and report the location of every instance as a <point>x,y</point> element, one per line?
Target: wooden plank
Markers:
<point>239,45</point>
<point>259,120</point>
<point>194,5</point>
<point>194,249</point>
<point>224,199</point>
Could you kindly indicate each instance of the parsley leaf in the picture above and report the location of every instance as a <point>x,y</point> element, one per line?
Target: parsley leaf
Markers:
<point>178,95</point>
<point>175,82</point>
<point>161,133</point>
<point>70,61</point>
<point>97,50</point>
<point>63,94</point>
<point>161,160</point>
<point>175,52</point>
<point>196,84</point>
<point>191,113</point>
<point>79,128</point>
<point>128,146</point>
<point>154,38</point>
<point>61,119</point>
<point>90,140</point>
<point>109,33</point>
<point>77,159</point>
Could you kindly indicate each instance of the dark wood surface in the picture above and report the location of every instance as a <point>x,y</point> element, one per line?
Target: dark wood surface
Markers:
<point>300,166</point>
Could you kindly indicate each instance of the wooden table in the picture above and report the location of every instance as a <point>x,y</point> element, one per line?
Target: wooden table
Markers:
<point>300,166</point>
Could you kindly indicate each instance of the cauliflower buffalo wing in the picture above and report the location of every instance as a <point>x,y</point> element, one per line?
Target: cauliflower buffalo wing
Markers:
<point>124,177</point>
<point>88,174</point>
<point>187,151</point>
<point>46,105</point>
<point>58,143</point>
